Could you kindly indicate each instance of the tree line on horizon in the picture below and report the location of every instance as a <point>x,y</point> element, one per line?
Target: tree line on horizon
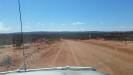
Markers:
<point>17,39</point>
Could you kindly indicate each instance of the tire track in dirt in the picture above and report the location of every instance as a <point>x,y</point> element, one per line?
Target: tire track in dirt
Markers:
<point>65,56</point>
<point>74,55</point>
<point>56,57</point>
<point>44,57</point>
<point>101,54</point>
<point>80,53</point>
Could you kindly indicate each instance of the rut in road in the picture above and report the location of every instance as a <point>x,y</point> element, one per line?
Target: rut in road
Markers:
<point>80,53</point>
<point>65,56</point>
<point>106,59</point>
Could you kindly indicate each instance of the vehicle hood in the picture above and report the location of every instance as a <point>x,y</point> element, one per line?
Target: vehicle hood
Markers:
<point>57,71</point>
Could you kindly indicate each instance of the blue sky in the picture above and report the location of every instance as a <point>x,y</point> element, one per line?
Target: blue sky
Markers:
<point>67,15</point>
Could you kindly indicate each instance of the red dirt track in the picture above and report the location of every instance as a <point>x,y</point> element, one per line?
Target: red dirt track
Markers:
<point>81,53</point>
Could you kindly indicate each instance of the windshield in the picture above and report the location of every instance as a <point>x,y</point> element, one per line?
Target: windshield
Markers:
<point>56,33</point>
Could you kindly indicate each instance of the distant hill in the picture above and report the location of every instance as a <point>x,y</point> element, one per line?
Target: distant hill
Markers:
<point>12,38</point>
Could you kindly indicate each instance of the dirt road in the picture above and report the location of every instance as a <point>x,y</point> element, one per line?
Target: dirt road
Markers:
<point>80,53</point>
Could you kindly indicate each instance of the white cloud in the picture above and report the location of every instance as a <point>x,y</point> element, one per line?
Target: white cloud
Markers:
<point>78,23</point>
<point>3,28</point>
